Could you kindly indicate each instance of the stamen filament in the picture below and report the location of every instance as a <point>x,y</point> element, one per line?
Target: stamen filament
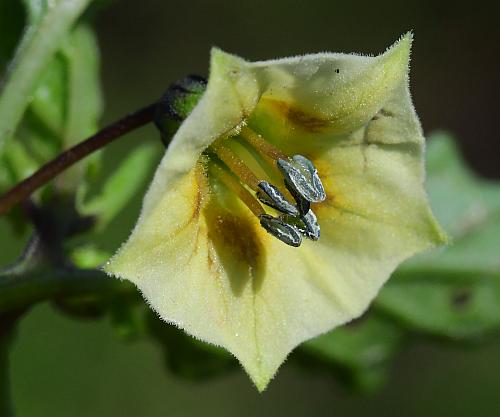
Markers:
<point>262,145</point>
<point>231,182</point>
<point>236,165</point>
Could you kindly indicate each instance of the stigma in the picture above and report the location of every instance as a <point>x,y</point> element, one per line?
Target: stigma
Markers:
<point>284,208</point>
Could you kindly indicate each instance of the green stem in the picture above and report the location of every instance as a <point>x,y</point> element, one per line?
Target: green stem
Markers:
<point>37,48</point>
<point>21,291</point>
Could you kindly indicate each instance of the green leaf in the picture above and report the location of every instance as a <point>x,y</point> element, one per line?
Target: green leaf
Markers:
<point>35,10</point>
<point>65,108</point>
<point>84,99</point>
<point>455,310</point>
<point>67,101</point>
<point>467,206</point>
<point>453,292</point>
<point>127,317</point>
<point>121,186</point>
<point>85,103</point>
<point>49,104</point>
<point>17,163</point>
<point>359,352</point>
<point>48,25</point>
<point>88,256</point>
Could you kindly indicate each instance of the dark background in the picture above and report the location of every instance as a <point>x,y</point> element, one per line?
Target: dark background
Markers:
<point>62,367</point>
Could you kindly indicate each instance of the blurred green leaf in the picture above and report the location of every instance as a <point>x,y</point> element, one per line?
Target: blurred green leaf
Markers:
<point>35,10</point>
<point>48,25</point>
<point>17,163</point>
<point>467,206</point>
<point>67,103</point>
<point>88,256</point>
<point>85,103</point>
<point>65,108</point>
<point>453,291</point>
<point>359,352</point>
<point>84,100</point>
<point>127,317</point>
<point>49,103</point>
<point>121,186</point>
<point>454,310</point>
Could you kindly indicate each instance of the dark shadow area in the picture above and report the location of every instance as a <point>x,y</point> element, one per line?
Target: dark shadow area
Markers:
<point>238,248</point>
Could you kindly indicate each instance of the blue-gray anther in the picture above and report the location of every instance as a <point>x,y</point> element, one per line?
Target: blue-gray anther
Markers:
<point>272,197</point>
<point>312,229</point>
<point>281,230</point>
<point>303,177</point>
<point>303,205</point>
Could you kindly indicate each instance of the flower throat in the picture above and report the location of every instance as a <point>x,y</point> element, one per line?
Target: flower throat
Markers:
<point>301,183</point>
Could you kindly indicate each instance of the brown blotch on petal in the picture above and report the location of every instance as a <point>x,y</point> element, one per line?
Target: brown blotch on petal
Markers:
<point>200,191</point>
<point>300,118</point>
<point>197,205</point>
<point>237,244</point>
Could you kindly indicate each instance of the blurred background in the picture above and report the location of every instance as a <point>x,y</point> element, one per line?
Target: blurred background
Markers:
<point>63,367</point>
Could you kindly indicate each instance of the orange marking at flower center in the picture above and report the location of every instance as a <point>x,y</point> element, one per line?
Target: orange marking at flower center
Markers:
<point>298,117</point>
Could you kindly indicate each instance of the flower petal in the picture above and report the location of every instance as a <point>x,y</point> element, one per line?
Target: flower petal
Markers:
<point>333,93</point>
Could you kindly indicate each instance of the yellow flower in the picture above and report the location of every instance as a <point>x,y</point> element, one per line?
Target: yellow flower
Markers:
<point>332,142</point>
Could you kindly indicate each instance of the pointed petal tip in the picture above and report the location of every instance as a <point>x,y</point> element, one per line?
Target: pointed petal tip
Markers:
<point>261,379</point>
<point>112,268</point>
<point>215,50</point>
<point>401,49</point>
<point>396,59</point>
<point>261,372</point>
<point>218,56</point>
<point>108,270</point>
<point>262,386</point>
<point>404,43</point>
<point>406,37</point>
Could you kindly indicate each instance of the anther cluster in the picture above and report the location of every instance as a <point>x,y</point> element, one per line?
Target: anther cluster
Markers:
<point>296,220</point>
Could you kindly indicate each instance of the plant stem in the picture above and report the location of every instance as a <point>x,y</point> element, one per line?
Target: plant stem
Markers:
<point>47,172</point>
<point>21,291</point>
